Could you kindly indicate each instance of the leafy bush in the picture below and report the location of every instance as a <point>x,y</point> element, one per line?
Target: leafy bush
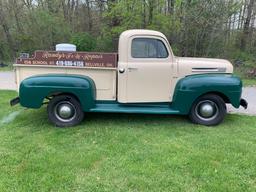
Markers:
<point>4,52</point>
<point>84,42</point>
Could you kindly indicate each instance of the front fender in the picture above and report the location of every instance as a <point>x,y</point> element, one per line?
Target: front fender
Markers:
<point>189,88</point>
<point>34,89</point>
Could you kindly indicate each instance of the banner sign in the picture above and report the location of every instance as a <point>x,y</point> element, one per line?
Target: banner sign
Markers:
<point>76,59</point>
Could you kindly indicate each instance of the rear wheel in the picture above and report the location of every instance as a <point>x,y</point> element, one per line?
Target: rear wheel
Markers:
<point>65,111</point>
<point>208,110</point>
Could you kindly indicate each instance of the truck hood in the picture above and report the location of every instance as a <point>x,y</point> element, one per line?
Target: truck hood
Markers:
<point>190,66</point>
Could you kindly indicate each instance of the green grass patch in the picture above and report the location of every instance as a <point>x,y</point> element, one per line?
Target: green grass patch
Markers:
<point>7,68</point>
<point>249,82</point>
<point>124,152</point>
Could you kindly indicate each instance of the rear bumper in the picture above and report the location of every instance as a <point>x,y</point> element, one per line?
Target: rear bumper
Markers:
<point>15,101</point>
<point>244,103</point>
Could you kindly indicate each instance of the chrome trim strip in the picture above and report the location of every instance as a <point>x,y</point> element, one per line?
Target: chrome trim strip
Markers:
<point>208,69</point>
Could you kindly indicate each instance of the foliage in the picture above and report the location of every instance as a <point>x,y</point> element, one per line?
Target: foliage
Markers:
<point>49,31</point>
<point>124,152</point>
<point>104,43</point>
<point>84,41</point>
<point>4,51</point>
<point>213,28</point>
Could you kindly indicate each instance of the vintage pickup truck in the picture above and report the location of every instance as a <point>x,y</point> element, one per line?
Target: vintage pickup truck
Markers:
<point>144,77</point>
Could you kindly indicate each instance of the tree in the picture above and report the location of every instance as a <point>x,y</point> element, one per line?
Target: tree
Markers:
<point>247,22</point>
<point>194,27</point>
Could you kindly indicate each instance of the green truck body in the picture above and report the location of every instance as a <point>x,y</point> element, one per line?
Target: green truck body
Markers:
<point>34,90</point>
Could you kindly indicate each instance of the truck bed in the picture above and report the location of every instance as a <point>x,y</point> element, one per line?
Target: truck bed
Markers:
<point>101,67</point>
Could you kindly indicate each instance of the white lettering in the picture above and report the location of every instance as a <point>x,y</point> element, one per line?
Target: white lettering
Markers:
<point>70,63</point>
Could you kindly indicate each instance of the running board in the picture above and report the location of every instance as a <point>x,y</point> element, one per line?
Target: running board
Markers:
<point>133,108</point>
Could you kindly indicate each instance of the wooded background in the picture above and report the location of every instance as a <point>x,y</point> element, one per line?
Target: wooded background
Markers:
<point>209,28</point>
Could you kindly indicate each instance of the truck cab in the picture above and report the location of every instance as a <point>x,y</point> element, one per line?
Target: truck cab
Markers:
<point>148,70</point>
<point>144,77</point>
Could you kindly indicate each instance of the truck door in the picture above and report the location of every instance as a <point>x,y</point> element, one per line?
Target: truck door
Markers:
<point>148,72</point>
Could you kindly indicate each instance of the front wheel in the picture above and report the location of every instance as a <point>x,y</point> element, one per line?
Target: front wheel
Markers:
<point>65,111</point>
<point>208,110</point>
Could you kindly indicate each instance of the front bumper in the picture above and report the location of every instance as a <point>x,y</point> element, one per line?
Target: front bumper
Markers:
<point>15,101</point>
<point>244,103</point>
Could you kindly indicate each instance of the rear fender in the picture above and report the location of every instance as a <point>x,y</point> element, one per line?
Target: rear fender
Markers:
<point>34,89</point>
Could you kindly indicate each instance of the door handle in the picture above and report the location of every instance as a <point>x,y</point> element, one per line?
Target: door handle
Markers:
<point>121,70</point>
<point>132,69</point>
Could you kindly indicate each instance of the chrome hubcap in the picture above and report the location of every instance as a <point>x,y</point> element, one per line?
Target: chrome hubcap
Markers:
<point>206,110</point>
<point>65,111</point>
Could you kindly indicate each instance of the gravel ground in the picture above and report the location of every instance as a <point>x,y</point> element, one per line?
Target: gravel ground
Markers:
<point>7,82</point>
<point>249,94</point>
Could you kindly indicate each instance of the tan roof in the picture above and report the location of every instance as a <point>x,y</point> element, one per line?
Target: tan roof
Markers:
<point>129,33</point>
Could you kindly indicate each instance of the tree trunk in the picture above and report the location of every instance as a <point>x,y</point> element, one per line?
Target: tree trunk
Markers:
<point>151,10</point>
<point>251,32</point>
<point>144,14</point>
<point>170,6</point>
<point>247,22</point>
<point>240,18</point>
<point>6,29</point>
<point>90,24</point>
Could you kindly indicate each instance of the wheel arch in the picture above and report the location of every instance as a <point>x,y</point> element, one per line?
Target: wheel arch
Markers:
<point>220,94</point>
<point>55,94</point>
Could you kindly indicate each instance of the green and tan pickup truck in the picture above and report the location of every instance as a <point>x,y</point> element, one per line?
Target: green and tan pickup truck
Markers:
<point>144,77</point>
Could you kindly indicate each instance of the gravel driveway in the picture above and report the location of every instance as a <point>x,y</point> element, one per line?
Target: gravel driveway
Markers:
<point>249,94</point>
<point>7,82</point>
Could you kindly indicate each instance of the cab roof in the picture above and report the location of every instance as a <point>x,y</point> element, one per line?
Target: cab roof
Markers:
<point>129,33</point>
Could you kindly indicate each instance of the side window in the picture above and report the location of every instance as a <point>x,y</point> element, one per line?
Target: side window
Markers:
<point>148,48</point>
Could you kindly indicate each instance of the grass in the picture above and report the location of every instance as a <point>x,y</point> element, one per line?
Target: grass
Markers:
<point>121,152</point>
<point>249,82</point>
<point>7,68</point>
